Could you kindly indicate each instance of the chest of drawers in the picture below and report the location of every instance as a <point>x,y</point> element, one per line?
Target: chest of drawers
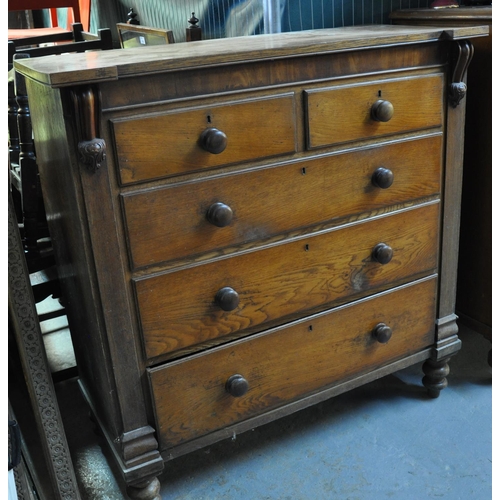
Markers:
<point>246,228</point>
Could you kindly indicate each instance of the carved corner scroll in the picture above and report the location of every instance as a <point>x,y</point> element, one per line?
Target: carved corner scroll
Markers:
<point>91,149</point>
<point>458,88</point>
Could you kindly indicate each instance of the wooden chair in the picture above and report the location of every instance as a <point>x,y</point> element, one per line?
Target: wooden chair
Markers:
<point>77,41</point>
<point>78,12</point>
<point>28,41</point>
<point>24,181</point>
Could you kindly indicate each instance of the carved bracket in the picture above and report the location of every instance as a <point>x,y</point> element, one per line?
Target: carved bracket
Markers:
<point>91,149</point>
<point>458,87</point>
<point>139,450</point>
<point>139,446</point>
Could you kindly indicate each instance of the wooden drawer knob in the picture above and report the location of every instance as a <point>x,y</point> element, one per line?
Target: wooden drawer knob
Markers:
<point>227,299</point>
<point>382,111</point>
<point>382,333</point>
<point>237,385</point>
<point>382,178</point>
<point>213,140</point>
<point>382,253</point>
<point>219,214</point>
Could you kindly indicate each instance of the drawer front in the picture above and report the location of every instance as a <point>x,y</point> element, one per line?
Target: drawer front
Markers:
<point>344,113</point>
<point>171,144</point>
<point>206,216</point>
<point>188,307</point>
<point>285,364</point>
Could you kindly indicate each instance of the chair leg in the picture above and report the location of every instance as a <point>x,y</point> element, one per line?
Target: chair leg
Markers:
<point>27,165</point>
<point>33,212</point>
<point>12,123</point>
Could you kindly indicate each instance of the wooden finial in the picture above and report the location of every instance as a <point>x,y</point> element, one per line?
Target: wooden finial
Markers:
<point>131,17</point>
<point>193,32</point>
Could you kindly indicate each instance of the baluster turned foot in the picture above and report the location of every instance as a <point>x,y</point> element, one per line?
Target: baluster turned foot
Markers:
<point>147,490</point>
<point>435,376</point>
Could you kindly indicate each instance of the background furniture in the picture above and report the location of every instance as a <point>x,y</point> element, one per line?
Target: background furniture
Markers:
<point>135,35</point>
<point>80,40</point>
<point>25,185</point>
<point>224,18</point>
<point>251,228</point>
<point>78,12</point>
<point>474,288</point>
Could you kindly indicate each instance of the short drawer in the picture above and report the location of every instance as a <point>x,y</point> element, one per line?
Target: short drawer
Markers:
<point>207,216</point>
<point>179,142</point>
<point>192,398</point>
<point>352,112</point>
<point>194,305</point>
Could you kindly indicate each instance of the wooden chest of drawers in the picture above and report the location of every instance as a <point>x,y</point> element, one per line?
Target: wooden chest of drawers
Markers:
<point>245,231</point>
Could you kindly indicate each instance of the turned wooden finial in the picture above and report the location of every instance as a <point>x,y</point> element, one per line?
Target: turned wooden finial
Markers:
<point>193,32</point>
<point>131,17</point>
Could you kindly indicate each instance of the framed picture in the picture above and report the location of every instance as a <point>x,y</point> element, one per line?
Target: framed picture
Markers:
<point>132,35</point>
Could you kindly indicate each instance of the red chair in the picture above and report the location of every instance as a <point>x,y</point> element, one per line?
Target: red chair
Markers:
<point>78,12</point>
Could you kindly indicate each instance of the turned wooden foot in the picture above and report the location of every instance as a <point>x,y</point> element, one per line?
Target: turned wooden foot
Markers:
<point>147,490</point>
<point>435,376</point>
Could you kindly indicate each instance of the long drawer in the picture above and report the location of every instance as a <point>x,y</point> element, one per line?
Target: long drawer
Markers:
<point>347,113</point>
<point>206,216</point>
<point>178,142</point>
<point>201,394</point>
<point>193,305</point>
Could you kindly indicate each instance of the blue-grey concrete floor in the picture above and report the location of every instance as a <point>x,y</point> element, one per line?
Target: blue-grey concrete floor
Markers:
<point>384,440</point>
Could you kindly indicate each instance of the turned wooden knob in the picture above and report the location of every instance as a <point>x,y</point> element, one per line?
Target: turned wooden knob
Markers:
<point>382,253</point>
<point>382,178</point>
<point>382,111</point>
<point>237,385</point>
<point>382,333</point>
<point>213,140</point>
<point>219,214</point>
<point>227,299</point>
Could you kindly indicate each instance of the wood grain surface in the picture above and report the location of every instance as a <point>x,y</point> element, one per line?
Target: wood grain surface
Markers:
<point>342,113</point>
<point>165,145</point>
<point>178,309</point>
<point>170,222</point>
<point>287,363</point>
<point>114,64</point>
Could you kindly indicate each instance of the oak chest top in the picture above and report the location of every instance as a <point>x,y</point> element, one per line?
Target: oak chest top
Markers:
<point>108,65</point>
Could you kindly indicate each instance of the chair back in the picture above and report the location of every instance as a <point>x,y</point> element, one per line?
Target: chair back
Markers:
<point>24,178</point>
<point>78,10</point>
